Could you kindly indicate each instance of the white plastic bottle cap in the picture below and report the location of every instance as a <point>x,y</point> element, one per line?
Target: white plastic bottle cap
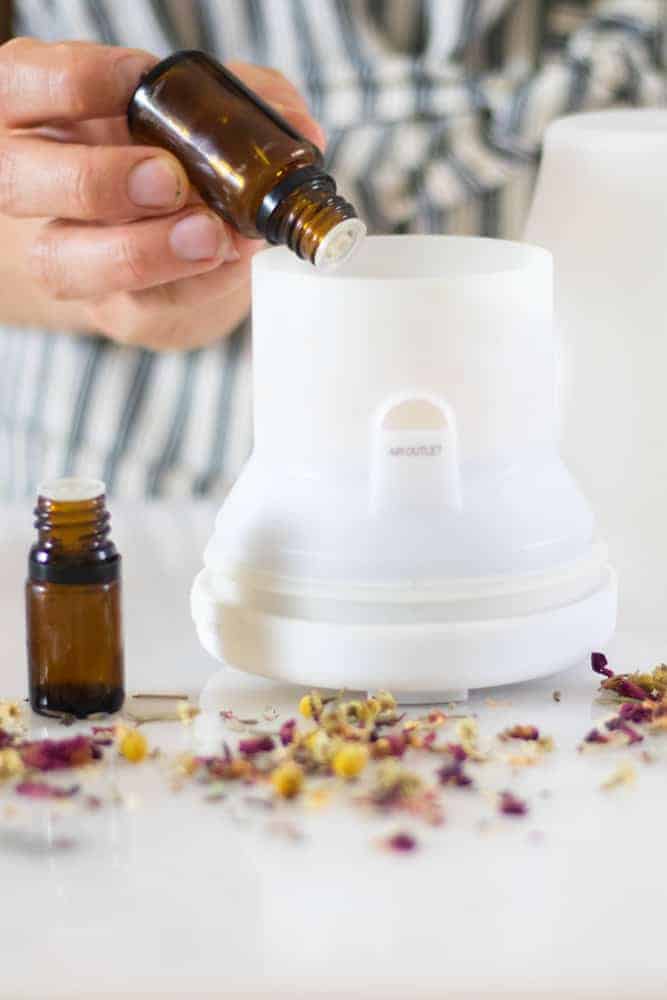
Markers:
<point>71,489</point>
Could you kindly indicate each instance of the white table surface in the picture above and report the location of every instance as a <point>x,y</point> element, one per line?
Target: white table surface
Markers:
<point>167,894</point>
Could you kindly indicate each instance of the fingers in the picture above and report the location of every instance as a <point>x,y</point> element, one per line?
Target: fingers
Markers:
<point>76,261</point>
<point>68,81</point>
<point>39,177</point>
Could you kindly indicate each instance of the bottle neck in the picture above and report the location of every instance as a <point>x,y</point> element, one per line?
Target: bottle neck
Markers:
<point>315,222</point>
<point>72,542</point>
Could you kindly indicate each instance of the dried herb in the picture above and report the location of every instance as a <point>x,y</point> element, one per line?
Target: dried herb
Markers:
<point>52,755</point>
<point>401,843</point>
<point>258,744</point>
<point>511,805</point>
<point>520,732</point>
<point>599,664</point>
<point>43,790</point>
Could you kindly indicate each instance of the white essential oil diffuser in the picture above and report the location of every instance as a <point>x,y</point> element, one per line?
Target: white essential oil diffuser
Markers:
<point>405,520</point>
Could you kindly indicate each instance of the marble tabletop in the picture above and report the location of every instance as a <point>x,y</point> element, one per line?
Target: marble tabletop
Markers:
<point>163,893</point>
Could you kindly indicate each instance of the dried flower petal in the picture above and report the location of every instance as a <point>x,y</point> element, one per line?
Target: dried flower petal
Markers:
<point>626,688</point>
<point>350,760</point>
<point>134,746</point>
<point>311,705</point>
<point>595,736</point>
<point>287,732</point>
<point>287,780</point>
<point>402,843</point>
<point>520,732</point>
<point>599,664</point>
<point>11,764</point>
<point>632,712</point>
<point>43,790</point>
<point>453,774</point>
<point>624,774</point>
<point>257,744</point>
<point>620,725</point>
<point>511,805</point>
<point>52,755</point>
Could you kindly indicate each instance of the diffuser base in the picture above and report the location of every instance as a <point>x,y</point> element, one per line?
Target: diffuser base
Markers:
<point>419,657</point>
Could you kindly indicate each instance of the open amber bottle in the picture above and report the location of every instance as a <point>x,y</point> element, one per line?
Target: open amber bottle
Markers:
<point>73,603</point>
<point>248,163</point>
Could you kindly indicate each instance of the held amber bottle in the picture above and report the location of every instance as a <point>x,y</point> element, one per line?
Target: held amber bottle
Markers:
<point>73,603</point>
<point>249,164</point>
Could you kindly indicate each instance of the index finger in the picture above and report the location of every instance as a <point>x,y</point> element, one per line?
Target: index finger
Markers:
<point>42,82</point>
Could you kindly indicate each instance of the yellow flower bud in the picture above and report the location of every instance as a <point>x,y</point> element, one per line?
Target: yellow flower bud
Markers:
<point>134,746</point>
<point>350,760</point>
<point>11,764</point>
<point>287,779</point>
<point>310,705</point>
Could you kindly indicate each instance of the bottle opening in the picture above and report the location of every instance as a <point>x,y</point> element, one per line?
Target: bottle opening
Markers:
<point>339,244</point>
<point>71,488</point>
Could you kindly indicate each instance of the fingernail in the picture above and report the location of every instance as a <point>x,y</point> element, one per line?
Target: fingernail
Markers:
<point>202,236</point>
<point>154,183</point>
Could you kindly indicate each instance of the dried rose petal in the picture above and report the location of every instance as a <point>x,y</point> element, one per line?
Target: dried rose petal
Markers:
<point>52,755</point>
<point>258,744</point>
<point>287,731</point>
<point>521,732</point>
<point>42,790</point>
<point>628,689</point>
<point>599,664</point>
<point>401,842</point>
<point>397,744</point>
<point>595,736</point>
<point>510,805</point>
<point>457,751</point>
<point>632,712</point>
<point>5,739</point>
<point>453,774</point>
<point>620,725</point>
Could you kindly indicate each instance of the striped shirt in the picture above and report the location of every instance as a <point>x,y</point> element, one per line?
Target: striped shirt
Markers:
<point>434,109</point>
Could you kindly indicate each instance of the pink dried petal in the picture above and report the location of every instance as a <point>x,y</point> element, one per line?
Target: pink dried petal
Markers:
<point>619,725</point>
<point>632,712</point>
<point>595,736</point>
<point>52,755</point>
<point>287,731</point>
<point>628,689</point>
<point>453,774</point>
<point>258,744</point>
<point>5,739</point>
<point>599,664</point>
<point>457,751</point>
<point>401,842</point>
<point>521,732</point>
<point>511,805</point>
<point>42,790</point>
<point>397,743</point>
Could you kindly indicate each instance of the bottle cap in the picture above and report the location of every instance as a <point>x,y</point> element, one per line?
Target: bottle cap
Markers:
<point>71,488</point>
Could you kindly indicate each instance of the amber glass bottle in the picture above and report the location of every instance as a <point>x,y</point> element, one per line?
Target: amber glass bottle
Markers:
<point>247,162</point>
<point>73,606</point>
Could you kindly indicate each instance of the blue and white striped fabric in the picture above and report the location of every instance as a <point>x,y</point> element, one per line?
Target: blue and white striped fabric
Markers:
<point>435,111</point>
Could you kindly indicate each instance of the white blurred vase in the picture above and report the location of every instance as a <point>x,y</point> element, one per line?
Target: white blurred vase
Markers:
<point>600,207</point>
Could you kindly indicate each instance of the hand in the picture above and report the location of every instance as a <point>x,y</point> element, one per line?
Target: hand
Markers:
<point>107,227</point>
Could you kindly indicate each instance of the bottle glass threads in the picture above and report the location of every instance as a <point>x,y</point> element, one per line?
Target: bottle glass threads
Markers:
<point>248,163</point>
<point>73,603</point>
